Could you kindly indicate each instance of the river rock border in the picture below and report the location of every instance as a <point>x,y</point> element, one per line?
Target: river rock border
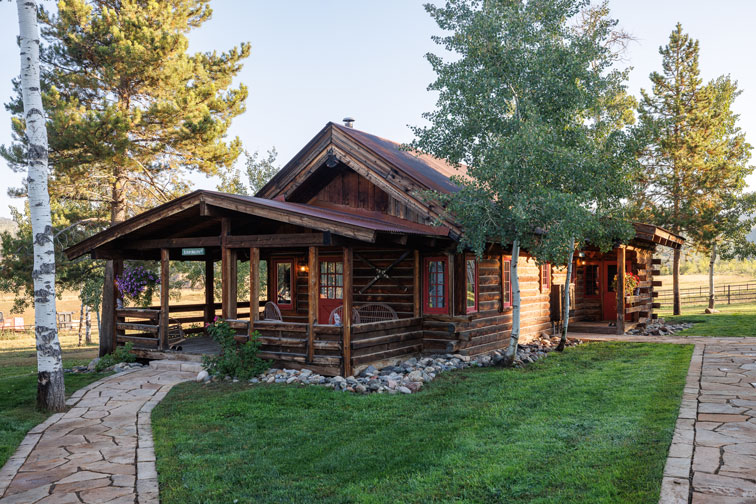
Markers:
<point>404,376</point>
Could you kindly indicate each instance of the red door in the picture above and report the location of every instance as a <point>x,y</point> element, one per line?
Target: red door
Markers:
<point>331,287</point>
<point>608,289</point>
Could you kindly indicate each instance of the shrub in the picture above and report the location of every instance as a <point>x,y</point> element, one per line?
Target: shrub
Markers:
<point>240,361</point>
<point>120,354</point>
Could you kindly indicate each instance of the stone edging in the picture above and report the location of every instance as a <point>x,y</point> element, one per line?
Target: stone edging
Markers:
<point>676,482</point>
<point>146,472</point>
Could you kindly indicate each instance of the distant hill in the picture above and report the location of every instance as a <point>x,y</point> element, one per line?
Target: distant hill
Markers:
<point>7,224</point>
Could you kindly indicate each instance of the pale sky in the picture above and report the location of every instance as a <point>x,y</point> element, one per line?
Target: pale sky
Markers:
<point>319,61</point>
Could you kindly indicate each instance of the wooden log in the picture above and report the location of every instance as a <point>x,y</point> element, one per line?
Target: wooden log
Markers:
<point>139,341</point>
<point>348,303</point>
<point>656,260</point>
<point>164,299</point>
<point>133,326</point>
<point>254,285</point>
<point>141,313</point>
<point>621,290</point>
<point>312,301</point>
<point>416,284</point>
<point>209,307</point>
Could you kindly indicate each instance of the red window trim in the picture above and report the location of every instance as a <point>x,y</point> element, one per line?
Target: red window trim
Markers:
<point>472,309</point>
<point>585,280</point>
<point>509,262</point>
<point>426,279</point>
<point>545,277</point>
<point>292,280</point>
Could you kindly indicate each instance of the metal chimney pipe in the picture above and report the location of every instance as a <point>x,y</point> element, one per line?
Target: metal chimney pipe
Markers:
<point>348,122</point>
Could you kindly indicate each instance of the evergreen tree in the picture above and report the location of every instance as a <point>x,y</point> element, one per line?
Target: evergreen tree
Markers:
<point>681,115</point>
<point>129,110</point>
<point>530,105</point>
<point>725,212</point>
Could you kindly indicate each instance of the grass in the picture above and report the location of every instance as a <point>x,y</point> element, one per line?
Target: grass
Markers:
<point>591,425</point>
<point>732,320</point>
<point>18,383</point>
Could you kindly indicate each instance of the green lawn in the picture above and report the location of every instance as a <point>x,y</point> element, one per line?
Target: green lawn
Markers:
<point>590,425</point>
<point>733,320</point>
<point>18,386</point>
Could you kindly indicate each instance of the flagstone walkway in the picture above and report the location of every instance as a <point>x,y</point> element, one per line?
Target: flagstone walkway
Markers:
<point>100,451</point>
<point>712,459</point>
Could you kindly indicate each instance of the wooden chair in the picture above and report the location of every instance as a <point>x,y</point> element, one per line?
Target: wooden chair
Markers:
<point>376,312</point>
<point>337,315</point>
<point>271,313</point>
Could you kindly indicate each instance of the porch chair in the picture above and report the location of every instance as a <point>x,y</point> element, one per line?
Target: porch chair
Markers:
<point>376,312</point>
<point>271,313</point>
<point>337,315</point>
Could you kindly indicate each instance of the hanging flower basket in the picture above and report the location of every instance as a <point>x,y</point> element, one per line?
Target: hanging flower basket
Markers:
<point>137,284</point>
<point>631,282</point>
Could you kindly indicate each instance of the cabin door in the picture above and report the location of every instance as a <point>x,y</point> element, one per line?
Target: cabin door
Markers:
<point>331,287</point>
<point>609,289</point>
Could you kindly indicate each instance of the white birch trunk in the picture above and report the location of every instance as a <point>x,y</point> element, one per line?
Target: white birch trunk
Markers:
<point>50,387</point>
<point>88,326</point>
<point>566,308</point>
<point>712,260</point>
<point>514,336</point>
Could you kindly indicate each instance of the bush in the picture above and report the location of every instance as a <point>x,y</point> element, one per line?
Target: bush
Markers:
<point>239,361</point>
<point>120,354</point>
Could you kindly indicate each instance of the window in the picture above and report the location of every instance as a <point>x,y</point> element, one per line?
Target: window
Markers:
<point>282,283</point>
<point>471,282</point>
<point>546,277</point>
<point>331,280</point>
<point>436,285</point>
<point>506,283</point>
<point>591,280</point>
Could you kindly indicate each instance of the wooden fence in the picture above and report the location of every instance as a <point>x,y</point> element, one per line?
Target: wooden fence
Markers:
<point>723,294</point>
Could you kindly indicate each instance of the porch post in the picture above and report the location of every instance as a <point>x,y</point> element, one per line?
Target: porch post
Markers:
<point>416,285</point>
<point>228,277</point>
<point>347,312</point>
<point>312,299</point>
<point>620,288</point>
<point>117,271</point>
<point>254,286</point>
<point>164,304</point>
<point>209,291</point>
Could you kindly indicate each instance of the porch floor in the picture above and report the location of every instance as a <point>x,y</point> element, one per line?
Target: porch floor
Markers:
<point>191,349</point>
<point>600,327</point>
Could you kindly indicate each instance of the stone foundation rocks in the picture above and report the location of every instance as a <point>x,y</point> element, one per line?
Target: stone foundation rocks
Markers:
<point>660,328</point>
<point>408,376</point>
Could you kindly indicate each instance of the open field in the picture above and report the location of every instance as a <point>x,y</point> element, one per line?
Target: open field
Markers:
<point>590,425</point>
<point>702,280</point>
<point>18,383</point>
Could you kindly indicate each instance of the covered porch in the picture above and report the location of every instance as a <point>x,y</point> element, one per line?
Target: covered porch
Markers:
<point>317,265</point>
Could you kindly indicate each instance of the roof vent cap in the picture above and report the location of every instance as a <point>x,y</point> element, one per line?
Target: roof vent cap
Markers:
<point>348,122</point>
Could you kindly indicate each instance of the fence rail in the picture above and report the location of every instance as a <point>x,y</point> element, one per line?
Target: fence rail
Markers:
<point>729,294</point>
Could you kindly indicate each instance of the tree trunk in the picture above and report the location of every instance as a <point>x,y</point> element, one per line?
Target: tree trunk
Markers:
<point>107,325</point>
<point>676,282</point>
<point>81,320</point>
<point>566,311</point>
<point>711,275</point>
<point>88,326</point>
<point>51,393</point>
<point>514,336</point>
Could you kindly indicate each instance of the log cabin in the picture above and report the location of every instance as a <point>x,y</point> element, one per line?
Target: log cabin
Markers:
<point>360,269</point>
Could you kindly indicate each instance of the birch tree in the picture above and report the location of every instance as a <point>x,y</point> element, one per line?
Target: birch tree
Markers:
<point>50,386</point>
<point>529,106</point>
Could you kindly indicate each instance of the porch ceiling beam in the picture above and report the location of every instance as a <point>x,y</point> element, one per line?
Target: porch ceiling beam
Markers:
<point>200,241</point>
<point>279,240</point>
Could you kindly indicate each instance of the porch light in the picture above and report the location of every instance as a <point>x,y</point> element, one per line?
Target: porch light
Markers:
<point>303,268</point>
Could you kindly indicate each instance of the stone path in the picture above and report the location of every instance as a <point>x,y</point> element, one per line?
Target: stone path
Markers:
<point>712,459</point>
<point>100,451</point>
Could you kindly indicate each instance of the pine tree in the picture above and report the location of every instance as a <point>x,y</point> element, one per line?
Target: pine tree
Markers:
<point>129,110</point>
<point>681,116</point>
<point>532,106</point>
<point>51,392</point>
